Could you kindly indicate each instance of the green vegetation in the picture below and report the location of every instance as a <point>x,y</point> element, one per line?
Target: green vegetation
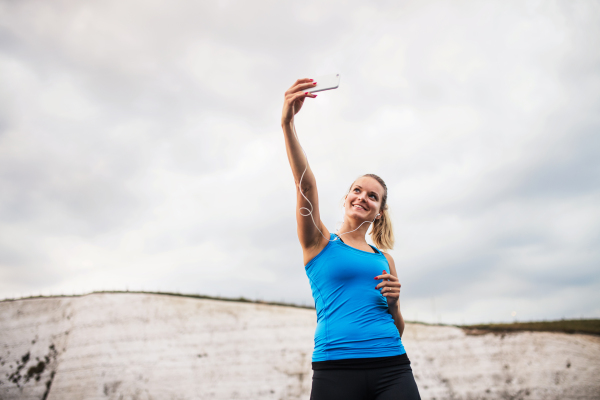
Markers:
<point>588,326</point>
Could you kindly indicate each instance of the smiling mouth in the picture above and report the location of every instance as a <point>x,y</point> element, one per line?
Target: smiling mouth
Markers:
<point>359,206</point>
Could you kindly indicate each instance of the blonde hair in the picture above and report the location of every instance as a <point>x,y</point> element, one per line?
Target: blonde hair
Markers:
<point>382,232</point>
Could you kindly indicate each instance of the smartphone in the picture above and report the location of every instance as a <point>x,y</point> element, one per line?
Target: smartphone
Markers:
<point>326,82</point>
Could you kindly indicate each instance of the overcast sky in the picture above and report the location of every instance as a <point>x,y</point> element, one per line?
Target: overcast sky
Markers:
<point>141,148</point>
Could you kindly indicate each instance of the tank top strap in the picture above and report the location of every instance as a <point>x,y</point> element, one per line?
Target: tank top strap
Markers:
<point>335,238</point>
<point>376,250</point>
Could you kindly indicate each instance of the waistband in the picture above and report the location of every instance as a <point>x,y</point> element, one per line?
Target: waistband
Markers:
<point>362,363</point>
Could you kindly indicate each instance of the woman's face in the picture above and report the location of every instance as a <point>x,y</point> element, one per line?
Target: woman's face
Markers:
<point>364,200</point>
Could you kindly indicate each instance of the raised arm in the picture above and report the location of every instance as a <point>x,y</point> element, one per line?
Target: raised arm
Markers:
<point>307,210</point>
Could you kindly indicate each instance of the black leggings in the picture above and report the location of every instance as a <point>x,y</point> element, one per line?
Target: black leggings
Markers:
<point>387,383</point>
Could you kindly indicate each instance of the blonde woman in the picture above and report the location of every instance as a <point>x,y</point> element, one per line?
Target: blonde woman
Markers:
<point>358,350</point>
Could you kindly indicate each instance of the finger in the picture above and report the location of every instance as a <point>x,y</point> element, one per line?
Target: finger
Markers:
<point>299,82</point>
<point>300,88</point>
<point>302,80</point>
<point>388,284</point>
<point>304,95</point>
<point>305,86</point>
<point>291,97</point>
<point>300,96</point>
<point>309,95</point>
<point>302,84</point>
<point>386,275</point>
<point>390,292</point>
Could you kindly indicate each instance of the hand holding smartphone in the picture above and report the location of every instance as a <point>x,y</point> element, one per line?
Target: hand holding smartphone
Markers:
<point>326,82</point>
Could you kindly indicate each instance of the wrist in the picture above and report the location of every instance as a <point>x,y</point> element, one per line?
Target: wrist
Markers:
<point>394,307</point>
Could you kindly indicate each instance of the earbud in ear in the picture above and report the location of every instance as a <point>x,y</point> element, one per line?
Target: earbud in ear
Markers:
<point>378,215</point>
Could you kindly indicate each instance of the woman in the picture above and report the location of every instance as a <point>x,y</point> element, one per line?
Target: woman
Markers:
<point>358,351</point>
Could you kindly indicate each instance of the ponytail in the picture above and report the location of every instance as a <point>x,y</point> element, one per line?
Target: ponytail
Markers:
<point>382,232</point>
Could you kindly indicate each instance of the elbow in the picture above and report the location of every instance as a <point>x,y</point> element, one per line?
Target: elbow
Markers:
<point>305,187</point>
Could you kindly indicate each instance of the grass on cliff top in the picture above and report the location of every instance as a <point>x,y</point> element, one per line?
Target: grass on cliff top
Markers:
<point>589,326</point>
<point>586,326</point>
<point>176,294</point>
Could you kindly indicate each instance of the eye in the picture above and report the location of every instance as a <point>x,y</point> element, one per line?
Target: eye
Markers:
<point>356,189</point>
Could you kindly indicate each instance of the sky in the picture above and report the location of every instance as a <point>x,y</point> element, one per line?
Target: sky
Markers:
<point>141,147</point>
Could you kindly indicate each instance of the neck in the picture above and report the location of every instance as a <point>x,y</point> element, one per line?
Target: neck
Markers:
<point>349,233</point>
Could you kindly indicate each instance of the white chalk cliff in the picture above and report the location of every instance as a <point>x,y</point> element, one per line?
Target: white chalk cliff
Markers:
<point>147,346</point>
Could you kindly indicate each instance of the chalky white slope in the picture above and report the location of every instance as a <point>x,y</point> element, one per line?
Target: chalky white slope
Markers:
<point>145,346</point>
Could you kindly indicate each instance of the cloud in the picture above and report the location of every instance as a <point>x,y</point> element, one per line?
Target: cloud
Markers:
<point>140,147</point>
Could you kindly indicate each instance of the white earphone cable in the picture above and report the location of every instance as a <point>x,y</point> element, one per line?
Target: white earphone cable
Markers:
<point>309,212</point>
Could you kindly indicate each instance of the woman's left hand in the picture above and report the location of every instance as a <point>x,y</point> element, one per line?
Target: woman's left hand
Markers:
<point>390,287</point>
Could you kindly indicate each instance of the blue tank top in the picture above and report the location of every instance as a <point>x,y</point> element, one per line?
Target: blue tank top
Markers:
<point>352,316</point>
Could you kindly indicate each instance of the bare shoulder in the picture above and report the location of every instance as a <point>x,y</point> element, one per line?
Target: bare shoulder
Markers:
<point>391,263</point>
<point>389,258</point>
